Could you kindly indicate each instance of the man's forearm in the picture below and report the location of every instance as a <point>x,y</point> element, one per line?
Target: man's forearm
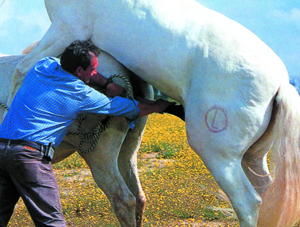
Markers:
<point>98,79</point>
<point>111,89</point>
<point>148,106</point>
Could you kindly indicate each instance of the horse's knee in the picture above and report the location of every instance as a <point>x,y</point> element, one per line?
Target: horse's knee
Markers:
<point>140,204</point>
<point>124,207</point>
<point>141,200</point>
<point>125,202</point>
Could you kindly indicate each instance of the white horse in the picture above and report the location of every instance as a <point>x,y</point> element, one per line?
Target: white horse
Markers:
<point>113,162</point>
<point>235,91</point>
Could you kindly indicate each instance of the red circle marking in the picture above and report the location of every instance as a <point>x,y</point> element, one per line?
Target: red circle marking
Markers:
<point>216,119</point>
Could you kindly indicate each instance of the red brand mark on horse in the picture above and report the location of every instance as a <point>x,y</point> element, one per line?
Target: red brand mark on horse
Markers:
<point>216,119</point>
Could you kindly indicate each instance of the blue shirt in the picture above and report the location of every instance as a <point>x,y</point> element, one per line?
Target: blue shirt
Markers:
<point>50,99</point>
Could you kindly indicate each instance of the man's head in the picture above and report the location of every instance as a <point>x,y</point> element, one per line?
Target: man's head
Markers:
<point>80,59</point>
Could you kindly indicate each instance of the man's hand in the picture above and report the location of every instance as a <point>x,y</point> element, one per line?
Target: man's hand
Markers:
<point>113,90</point>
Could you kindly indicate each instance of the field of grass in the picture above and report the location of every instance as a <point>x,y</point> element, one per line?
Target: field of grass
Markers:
<point>179,189</point>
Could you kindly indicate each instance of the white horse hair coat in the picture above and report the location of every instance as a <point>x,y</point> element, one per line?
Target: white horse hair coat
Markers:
<point>235,90</point>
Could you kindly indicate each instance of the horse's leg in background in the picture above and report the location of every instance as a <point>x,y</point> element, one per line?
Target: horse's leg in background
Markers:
<point>30,47</point>
<point>255,166</point>
<point>254,161</point>
<point>63,151</point>
<point>128,155</point>
<point>103,163</point>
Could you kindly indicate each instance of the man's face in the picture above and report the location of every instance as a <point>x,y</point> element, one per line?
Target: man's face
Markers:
<point>86,75</point>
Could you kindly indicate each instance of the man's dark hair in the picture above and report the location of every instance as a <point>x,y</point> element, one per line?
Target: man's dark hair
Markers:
<point>77,54</point>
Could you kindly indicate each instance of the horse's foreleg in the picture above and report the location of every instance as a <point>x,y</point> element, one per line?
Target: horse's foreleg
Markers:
<point>128,167</point>
<point>53,43</point>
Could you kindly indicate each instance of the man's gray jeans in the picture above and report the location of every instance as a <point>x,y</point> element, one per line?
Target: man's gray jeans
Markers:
<point>25,173</point>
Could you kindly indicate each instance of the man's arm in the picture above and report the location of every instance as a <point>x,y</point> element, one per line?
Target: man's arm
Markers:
<point>98,79</point>
<point>111,90</point>
<point>145,106</point>
<point>172,108</point>
<point>148,106</point>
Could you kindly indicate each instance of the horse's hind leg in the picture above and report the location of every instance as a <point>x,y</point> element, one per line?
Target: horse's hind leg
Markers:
<point>256,169</point>
<point>255,166</point>
<point>221,144</point>
<point>254,161</point>
<point>230,176</point>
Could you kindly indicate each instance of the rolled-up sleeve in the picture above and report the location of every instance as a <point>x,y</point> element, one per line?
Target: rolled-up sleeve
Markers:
<point>95,102</point>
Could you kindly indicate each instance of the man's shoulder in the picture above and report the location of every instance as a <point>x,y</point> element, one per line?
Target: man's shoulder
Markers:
<point>49,67</point>
<point>48,62</point>
<point>50,59</point>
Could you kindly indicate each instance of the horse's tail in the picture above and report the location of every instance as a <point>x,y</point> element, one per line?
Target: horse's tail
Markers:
<point>281,202</point>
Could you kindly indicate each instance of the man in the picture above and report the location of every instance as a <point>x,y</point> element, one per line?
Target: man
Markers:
<point>49,100</point>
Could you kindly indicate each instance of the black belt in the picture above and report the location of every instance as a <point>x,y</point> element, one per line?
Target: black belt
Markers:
<point>34,145</point>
